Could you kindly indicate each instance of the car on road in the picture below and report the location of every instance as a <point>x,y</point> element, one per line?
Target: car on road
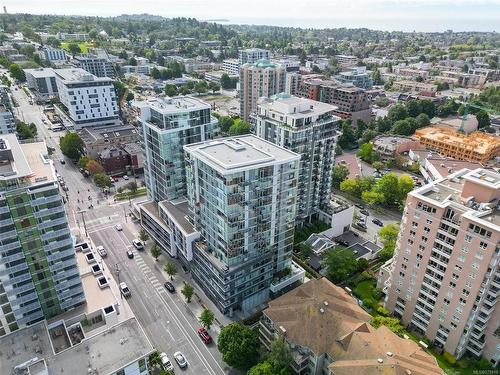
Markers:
<point>130,254</point>
<point>167,365</point>
<point>378,222</point>
<point>360,206</point>
<point>180,359</point>
<point>65,188</point>
<point>63,161</point>
<point>102,251</point>
<point>118,227</point>
<point>125,177</point>
<point>169,286</point>
<point>137,244</point>
<point>124,290</point>
<point>361,225</point>
<point>115,179</point>
<point>364,212</point>
<point>205,337</point>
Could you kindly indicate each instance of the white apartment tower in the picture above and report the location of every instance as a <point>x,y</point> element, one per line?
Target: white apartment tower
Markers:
<point>445,278</point>
<point>89,100</point>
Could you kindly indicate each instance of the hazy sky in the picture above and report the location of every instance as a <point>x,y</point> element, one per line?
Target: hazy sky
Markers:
<point>420,15</point>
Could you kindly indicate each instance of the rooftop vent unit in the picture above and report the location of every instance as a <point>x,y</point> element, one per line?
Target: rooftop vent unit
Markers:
<point>380,360</point>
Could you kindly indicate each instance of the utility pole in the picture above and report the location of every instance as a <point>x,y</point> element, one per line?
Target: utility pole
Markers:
<point>125,213</point>
<point>117,271</point>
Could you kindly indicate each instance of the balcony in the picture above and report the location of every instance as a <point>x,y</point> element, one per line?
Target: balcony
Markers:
<point>297,273</point>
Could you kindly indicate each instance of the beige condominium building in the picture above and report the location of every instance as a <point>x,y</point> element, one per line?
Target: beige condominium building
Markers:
<point>262,79</point>
<point>444,279</point>
<point>478,147</point>
<point>328,333</point>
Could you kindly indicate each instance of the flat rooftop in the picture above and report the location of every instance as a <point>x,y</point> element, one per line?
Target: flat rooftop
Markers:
<point>174,105</point>
<point>24,160</point>
<point>40,72</point>
<point>108,132</point>
<point>231,155</point>
<point>295,107</point>
<point>104,353</point>
<point>78,75</point>
<point>179,212</point>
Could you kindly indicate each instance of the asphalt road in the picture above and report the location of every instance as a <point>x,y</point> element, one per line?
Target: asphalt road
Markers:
<point>166,318</point>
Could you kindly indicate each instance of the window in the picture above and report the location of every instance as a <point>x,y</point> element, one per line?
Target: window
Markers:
<point>142,365</point>
<point>467,239</point>
<point>465,292</point>
<point>120,372</point>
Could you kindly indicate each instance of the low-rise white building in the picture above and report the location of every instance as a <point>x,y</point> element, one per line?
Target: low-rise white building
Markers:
<point>231,66</point>
<point>89,100</point>
<point>42,83</point>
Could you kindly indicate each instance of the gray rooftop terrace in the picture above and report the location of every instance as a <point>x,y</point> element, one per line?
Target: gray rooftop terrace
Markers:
<point>78,75</point>
<point>231,155</point>
<point>105,353</point>
<point>179,212</point>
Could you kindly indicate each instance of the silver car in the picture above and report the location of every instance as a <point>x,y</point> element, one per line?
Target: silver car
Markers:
<point>180,359</point>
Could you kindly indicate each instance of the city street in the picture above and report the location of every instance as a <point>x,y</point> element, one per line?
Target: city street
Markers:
<point>167,319</point>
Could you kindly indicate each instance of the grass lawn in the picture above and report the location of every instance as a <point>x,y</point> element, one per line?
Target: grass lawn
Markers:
<point>84,46</point>
<point>364,289</point>
<point>126,194</point>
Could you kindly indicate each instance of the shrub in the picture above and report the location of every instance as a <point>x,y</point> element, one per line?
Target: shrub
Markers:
<point>365,276</point>
<point>368,303</point>
<point>382,311</point>
<point>449,358</point>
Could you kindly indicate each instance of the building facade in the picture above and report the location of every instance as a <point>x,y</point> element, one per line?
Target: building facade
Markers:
<point>88,100</point>
<point>252,55</point>
<point>308,128</point>
<point>445,278</point>
<point>42,83</point>
<point>262,79</point>
<point>167,125</point>
<point>54,55</point>
<point>242,196</point>
<point>7,121</point>
<point>98,66</point>
<point>39,277</point>
<point>231,67</point>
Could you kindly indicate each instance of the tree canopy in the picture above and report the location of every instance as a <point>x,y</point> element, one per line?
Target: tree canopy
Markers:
<point>239,346</point>
<point>71,145</point>
<point>340,264</point>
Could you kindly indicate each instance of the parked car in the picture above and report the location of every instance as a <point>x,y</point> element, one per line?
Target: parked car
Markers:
<point>180,359</point>
<point>124,290</point>
<point>169,286</point>
<point>130,254</point>
<point>361,225</point>
<point>118,227</point>
<point>167,365</point>
<point>65,188</point>
<point>63,161</point>
<point>205,337</point>
<point>378,222</point>
<point>365,212</point>
<point>125,177</point>
<point>360,206</point>
<point>102,251</point>
<point>137,244</point>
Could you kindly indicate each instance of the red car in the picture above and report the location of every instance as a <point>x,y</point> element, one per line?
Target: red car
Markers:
<point>207,339</point>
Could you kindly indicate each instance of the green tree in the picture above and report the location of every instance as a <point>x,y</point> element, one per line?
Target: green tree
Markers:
<point>362,264</point>
<point>339,174</point>
<point>372,198</point>
<point>392,323</point>
<point>414,108</point>
<point>388,186</point>
<point>225,81</point>
<point>402,127</point>
<point>171,269</point>
<point>132,61</point>
<point>347,139</point>
<point>187,291</point>
<point>155,73</point>
<point>71,146</point>
<point>280,356</point>
<point>53,42</point>
<point>102,180</point>
<point>26,131</point>
<point>382,101</point>
<point>305,250</point>
<point>155,251</point>
<point>405,185</point>
<point>368,135</point>
<point>82,162</point>
<point>225,123</point>
<point>360,128</point>
<point>16,72</point>
<point>367,154</point>
<point>428,107</point>
<point>422,120</point>
<point>132,186</point>
<point>214,86</point>
<point>240,127</point>
<point>74,48</point>
<point>239,346</point>
<point>378,165</point>
<point>398,112</point>
<point>388,236</point>
<point>143,235</point>
<point>207,318</point>
<point>170,90</point>
<point>154,359</point>
<point>483,119</point>
<point>263,368</point>
<point>200,87</point>
<point>340,264</point>
<point>94,167</point>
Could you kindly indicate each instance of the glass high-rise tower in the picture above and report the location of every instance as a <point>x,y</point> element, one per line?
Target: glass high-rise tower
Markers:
<point>39,277</point>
